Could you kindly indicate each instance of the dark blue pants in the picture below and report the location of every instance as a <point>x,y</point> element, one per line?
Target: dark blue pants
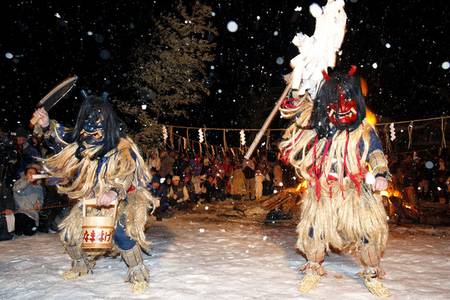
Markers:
<point>121,239</point>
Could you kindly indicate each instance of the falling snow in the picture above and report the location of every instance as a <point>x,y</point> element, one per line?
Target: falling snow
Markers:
<point>201,259</point>
<point>232,26</point>
<point>95,47</point>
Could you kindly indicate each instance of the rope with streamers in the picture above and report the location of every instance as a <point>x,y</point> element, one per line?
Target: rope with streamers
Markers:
<point>410,132</point>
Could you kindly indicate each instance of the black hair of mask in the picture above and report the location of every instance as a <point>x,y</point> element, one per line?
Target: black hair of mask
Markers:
<point>335,96</point>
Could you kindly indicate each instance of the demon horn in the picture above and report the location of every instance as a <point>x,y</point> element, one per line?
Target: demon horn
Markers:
<point>325,75</point>
<point>352,70</point>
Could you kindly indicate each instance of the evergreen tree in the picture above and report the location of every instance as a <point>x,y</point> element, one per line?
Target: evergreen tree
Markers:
<point>171,71</point>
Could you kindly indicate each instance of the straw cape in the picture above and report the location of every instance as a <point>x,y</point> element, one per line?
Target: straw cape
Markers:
<point>339,208</point>
<point>121,169</point>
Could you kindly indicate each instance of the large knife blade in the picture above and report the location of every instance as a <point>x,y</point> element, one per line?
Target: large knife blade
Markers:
<point>56,94</point>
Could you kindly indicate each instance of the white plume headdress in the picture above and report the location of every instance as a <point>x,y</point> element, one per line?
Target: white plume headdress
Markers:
<point>318,52</point>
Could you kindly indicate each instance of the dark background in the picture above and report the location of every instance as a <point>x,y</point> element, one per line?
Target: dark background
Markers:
<point>50,40</point>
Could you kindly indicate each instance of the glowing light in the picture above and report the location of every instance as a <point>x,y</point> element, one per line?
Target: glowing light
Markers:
<point>302,186</point>
<point>364,88</point>
<point>371,117</point>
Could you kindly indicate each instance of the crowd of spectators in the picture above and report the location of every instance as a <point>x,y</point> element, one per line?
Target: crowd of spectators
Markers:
<point>421,176</point>
<point>182,179</point>
<point>179,179</point>
<point>27,203</point>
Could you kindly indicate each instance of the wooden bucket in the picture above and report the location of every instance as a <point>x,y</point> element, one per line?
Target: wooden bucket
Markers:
<point>98,230</point>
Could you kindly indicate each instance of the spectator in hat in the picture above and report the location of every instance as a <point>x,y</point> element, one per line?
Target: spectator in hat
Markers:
<point>157,191</point>
<point>178,193</point>
<point>26,153</point>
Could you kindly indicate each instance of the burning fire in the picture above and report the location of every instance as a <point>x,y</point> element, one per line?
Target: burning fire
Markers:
<point>302,186</point>
<point>371,117</point>
<point>390,192</point>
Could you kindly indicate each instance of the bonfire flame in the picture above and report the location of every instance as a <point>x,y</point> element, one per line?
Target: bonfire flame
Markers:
<point>371,117</point>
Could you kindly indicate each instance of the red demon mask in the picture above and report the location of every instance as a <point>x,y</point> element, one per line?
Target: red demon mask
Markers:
<point>344,111</point>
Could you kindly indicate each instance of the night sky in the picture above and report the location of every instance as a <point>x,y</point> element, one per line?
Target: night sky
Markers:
<point>400,46</point>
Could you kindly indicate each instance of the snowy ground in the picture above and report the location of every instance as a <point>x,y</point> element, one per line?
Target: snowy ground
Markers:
<point>197,258</point>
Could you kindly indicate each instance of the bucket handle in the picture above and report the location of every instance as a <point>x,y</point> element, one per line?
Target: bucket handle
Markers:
<point>93,202</point>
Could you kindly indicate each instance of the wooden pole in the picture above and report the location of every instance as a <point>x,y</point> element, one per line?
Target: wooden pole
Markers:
<point>267,122</point>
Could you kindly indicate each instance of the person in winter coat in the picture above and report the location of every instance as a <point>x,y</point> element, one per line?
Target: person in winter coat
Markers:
<point>178,193</point>
<point>29,198</point>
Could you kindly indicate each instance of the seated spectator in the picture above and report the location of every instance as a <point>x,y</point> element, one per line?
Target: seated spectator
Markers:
<point>190,187</point>
<point>220,193</point>
<point>154,186</point>
<point>206,167</point>
<point>178,194</point>
<point>29,198</point>
<point>198,183</point>
<point>210,188</point>
<point>157,191</point>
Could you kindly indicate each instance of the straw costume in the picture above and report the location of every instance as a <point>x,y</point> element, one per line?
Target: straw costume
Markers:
<point>95,160</point>
<point>334,148</point>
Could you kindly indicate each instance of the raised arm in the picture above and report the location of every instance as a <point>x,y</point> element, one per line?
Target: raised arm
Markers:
<point>56,136</point>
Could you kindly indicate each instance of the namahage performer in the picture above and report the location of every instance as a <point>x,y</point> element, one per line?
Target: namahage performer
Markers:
<point>334,148</point>
<point>96,160</point>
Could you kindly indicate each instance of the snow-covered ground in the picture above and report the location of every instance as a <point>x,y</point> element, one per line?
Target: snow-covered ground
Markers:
<point>200,258</point>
